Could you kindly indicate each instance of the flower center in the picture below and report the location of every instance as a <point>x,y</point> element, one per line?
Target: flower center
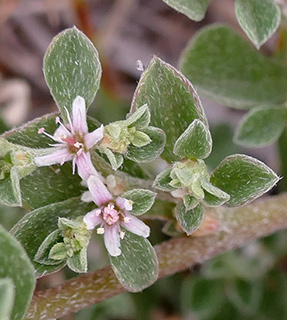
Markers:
<point>110,214</point>
<point>74,143</point>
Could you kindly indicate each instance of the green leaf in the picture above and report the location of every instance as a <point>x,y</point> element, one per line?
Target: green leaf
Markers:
<point>190,202</point>
<point>243,178</point>
<point>57,252</point>
<point>173,102</point>
<point>140,119</point>
<point>137,266</point>
<point>7,296</point>
<point>152,150</point>
<point>72,68</point>
<point>162,181</point>
<point>142,200</point>
<point>78,262</point>
<point>115,159</point>
<point>258,18</point>
<point>139,139</point>
<point>261,126</point>
<point>170,229</point>
<point>36,225</point>
<point>195,142</point>
<point>43,255</point>
<point>213,196</point>
<point>194,9</point>
<point>10,189</point>
<point>189,220</point>
<point>16,265</point>
<point>224,67</point>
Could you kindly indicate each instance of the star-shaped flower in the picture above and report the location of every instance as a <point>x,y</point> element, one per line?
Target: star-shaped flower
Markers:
<point>111,215</point>
<point>73,142</point>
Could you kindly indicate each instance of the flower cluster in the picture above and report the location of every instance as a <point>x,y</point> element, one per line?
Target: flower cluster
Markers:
<point>73,143</point>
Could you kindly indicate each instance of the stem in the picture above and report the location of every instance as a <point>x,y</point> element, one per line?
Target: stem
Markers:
<point>238,226</point>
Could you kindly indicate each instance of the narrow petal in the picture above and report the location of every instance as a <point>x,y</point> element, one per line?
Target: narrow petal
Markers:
<point>57,155</point>
<point>92,219</point>
<point>99,191</point>
<point>85,166</point>
<point>112,240</point>
<point>94,137</point>
<point>60,133</point>
<point>80,116</point>
<point>124,204</point>
<point>136,226</point>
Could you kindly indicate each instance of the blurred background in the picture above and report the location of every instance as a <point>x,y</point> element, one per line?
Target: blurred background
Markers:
<point>249,283</point>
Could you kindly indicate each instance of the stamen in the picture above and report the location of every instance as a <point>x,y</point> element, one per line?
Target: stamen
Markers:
<point>122,234</point>
<point>100,231</point>
<point>57,120</point>
<point>78,145</point>
<point>41,130</point>
<point>70,121</point>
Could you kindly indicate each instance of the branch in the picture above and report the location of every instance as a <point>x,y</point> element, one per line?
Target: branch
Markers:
<point>238,226</point>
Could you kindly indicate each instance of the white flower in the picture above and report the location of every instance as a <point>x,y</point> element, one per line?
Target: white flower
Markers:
<point>73,142</point>
<point>111,215</point>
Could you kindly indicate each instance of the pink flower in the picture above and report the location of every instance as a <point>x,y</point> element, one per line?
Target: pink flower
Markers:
<point>110,216</point>
<point>73,142</point>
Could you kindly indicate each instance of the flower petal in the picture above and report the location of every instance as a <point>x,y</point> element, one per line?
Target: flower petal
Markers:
<point>112,240</point>
<point>85,166</point>
<point>92,219</point>
<point>60,133</point>
<point>94,137</point>
<point>99,191</point>
<point>136,226</point>
<point>57,155</point>
<point>80,116</point>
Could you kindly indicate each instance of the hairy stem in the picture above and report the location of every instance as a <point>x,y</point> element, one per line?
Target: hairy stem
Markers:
<point>237,226</point>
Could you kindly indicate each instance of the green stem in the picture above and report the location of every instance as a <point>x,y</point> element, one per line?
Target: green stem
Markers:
<point>238,226</point>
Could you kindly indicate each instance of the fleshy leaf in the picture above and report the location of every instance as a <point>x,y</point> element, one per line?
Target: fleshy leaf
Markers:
<point>162,181</point>
<point>72,68</point>
<point>213,196</point>
<point>142,200</point>
<point>140,119</point>
<point>243,178</point>
<point>42,255</point>
<point>261,126</point>
<point>7,295</point>
<point>258,18</point>
<point>16,265</point>
<point>194,9</point>
<point>189,220</point>
<point>189,202</point>
<point>78,262</point>
<point>152,150</point>
<point>137,266</point>
<point>226,68</point>
<point>195,142</point>
<point>36,225</point>
<point>173,101</point>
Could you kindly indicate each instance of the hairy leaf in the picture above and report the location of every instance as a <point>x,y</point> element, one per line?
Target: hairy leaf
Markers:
<point>194,9</point>
<point>72,68</point>
<point>195,142</point>
<point>36,225</point>
<point>173,102</point>
<point>137,266</point>
<point>7,296</point>
<point>189,220</point>
<point>16,265</point>
<point>243,178</point>
<point>224,67</point>
<point>142,200</point>
<point>258,18</point>
<point>261,126</point>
